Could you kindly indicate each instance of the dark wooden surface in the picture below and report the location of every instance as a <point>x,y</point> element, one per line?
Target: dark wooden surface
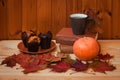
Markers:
<point>44,15</point>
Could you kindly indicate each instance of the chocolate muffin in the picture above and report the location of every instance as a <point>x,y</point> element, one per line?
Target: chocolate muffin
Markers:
<point>33,43</point>
<point>45,40</point>
<point>25,36</point>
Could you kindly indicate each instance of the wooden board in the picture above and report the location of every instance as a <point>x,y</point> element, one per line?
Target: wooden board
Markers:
<point>71,7</point>
<point>14,19</point>
<point>107,46</point>
<point>116,19</point>
<point>44,15</point>
<point>3,20</point>
<point>29,15</point>
<point>58,15</point>
<point>104,8</point>
<point>86,4</point>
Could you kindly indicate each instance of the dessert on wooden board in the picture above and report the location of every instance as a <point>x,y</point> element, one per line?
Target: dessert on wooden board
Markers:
<point>34,42</point>
<point>60,62</point>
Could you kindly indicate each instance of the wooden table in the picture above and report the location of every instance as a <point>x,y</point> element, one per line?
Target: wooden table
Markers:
<point>9,47</point>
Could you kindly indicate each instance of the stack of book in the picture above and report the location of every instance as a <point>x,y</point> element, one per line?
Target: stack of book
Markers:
<point>66,38</point>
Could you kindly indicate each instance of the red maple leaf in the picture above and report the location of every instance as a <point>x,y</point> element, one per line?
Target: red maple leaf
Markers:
<point>34,69</point>
<point>101,66</point>
<point>105,56</point>
<point>33,63</point>
<point>10,61</point>
<point>79,65</point>
<point>62,66</point>
<point>22,59</point>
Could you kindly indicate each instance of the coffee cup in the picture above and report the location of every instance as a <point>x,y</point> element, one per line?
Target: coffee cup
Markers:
<point>78,23</point>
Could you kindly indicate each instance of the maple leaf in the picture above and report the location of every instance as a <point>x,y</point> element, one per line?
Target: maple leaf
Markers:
<point>10,61</point>
<point>93,22</point>
<point>79,65</point>
<point>22,59</point>
<point>105,56</point>
<point>62,66</point>
<point>94,15</point>
<point>32,62</point>
<point>52,58</point>
<point>34,69</point>
<point>101,66</point>
<point>59,63</point>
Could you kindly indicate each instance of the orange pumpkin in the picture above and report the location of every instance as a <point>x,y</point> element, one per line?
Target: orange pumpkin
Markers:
<point>86,48</point>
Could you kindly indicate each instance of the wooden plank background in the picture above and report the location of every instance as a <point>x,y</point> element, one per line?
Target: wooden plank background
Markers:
<point>53,15</point>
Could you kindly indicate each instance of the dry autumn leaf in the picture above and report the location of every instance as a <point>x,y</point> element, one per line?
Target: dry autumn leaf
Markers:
<point>59,63</point>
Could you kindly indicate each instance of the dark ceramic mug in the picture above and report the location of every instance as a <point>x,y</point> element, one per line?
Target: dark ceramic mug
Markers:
<point>78,23</point>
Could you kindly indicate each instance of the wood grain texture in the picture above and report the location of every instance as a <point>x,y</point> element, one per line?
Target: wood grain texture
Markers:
<point>3,20</point>
<point>14,19</point>
<point>58,15</point>
<point>53,15</point>
<point>71,7</point>
<point>88,4</point>
<point>79,6</point>
<point>116,19</point>
<point>44,12</point>
<point>104,7</point>
<point>29,15</point>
